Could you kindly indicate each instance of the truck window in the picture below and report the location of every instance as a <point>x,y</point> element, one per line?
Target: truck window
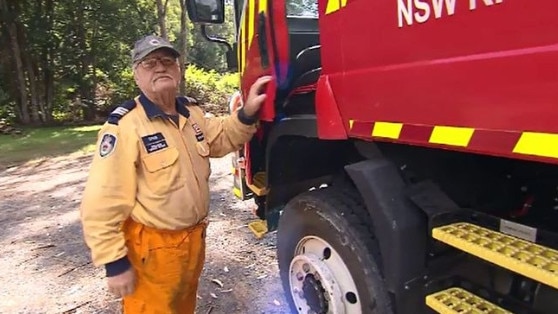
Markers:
<point>302,8</point>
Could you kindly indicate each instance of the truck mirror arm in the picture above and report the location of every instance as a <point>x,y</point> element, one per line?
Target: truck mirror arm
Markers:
<point>231,51</point>
<point>214,39</point>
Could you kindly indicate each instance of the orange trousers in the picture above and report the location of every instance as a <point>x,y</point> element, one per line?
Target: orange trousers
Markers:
<point>168,265</point>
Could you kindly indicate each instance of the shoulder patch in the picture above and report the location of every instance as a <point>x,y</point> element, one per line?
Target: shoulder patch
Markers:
<point>121,111</point>
<point>108,144</point>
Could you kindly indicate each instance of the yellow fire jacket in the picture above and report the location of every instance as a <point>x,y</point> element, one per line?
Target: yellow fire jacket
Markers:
<point>154,169</point>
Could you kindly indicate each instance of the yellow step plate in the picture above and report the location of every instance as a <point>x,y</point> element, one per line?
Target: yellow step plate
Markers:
<point>258,228</point>
<point>523,257</point>
<point>460,301</point>
<point>258,184</point>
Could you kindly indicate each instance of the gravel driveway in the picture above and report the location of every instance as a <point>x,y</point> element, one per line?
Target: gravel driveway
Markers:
<point>45,266</point>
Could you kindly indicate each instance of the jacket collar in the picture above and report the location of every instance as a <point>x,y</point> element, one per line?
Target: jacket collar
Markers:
<point>152,111</point>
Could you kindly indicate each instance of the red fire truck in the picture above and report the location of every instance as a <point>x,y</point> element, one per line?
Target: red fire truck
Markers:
<point>407,153</point>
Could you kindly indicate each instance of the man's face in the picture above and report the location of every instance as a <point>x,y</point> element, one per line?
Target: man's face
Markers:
<point>157,72</point>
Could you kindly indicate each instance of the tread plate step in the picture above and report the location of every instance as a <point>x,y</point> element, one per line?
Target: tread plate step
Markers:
<point>258,184</point>
<point>523,257</point>
<point>461,301</point>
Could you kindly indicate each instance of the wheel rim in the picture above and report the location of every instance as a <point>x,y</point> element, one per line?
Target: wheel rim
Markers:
<point>319,280</point>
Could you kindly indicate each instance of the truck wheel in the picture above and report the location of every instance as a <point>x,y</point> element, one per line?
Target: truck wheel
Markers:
<point>328,259</point>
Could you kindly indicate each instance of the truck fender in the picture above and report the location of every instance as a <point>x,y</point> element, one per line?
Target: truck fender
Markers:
<point>400,227</point>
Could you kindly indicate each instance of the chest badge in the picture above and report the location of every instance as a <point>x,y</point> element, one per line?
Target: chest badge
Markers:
<point>154,142</point>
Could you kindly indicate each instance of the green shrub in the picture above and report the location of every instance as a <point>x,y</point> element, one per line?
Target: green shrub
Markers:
<point>210,88</point>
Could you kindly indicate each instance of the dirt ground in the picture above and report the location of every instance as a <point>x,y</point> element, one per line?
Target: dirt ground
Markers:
<point>45,266</point>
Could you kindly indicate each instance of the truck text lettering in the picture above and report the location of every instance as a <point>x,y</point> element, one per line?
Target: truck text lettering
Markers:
<point>420,11</point>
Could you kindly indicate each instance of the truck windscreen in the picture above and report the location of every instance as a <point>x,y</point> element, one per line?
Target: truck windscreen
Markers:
<point>302,8</point>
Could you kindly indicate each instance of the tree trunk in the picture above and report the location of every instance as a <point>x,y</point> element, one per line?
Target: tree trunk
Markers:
<point>183,45</point>
<point>85,67</point>
<point>20,74</point>
<point>48,78</point>
<point>95,80</point>
<point>32,81</point>
<point>161,15</point>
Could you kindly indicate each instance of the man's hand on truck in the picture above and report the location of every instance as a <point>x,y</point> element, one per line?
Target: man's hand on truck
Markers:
<point>256,96</point>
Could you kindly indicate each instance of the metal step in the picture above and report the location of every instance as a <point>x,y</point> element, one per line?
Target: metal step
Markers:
<point>523,257</point>
<point>258,228</point>
<point>258,184</point>
<point>460,301</point>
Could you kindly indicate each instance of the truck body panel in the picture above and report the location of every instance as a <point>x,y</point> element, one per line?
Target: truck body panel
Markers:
<point>488,70</point>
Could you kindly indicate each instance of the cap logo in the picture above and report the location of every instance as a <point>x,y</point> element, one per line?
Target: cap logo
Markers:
<point>154,42</point>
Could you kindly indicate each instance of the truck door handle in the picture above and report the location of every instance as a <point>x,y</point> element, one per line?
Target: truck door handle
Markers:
<point>262,40</point>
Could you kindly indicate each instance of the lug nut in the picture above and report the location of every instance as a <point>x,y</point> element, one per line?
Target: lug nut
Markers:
<point>299,276</point>
<point>306,267</point>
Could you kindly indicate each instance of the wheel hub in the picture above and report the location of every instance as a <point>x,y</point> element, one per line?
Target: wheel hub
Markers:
<point>314,288</point>
<point>320,281</point>
<point>314,294</point>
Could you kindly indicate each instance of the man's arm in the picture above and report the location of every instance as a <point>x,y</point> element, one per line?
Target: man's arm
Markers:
<point>109,197</point>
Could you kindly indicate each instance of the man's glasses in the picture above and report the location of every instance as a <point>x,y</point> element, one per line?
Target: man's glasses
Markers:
<point>151,63</point>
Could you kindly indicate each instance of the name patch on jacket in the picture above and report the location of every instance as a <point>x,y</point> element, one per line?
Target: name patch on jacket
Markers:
<point>154,142</point>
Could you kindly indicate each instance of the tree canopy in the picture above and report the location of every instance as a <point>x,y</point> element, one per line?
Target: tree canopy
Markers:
<point>70,59</point>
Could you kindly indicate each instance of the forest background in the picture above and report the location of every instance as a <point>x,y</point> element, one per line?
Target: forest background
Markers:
<point>68,61</point>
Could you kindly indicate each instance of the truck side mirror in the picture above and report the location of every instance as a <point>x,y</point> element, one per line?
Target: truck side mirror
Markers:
<point>206,11</point>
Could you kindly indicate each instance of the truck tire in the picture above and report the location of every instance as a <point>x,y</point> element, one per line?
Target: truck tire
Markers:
<point>328,258</point>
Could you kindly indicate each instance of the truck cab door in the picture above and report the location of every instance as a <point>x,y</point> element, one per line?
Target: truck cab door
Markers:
<point>263,49</point>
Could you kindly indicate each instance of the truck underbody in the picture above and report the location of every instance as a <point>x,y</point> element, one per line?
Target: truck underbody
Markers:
<point>404,195</point>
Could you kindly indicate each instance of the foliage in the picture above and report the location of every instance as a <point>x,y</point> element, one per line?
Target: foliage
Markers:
<point>210,88</point>
<point>69,60</point>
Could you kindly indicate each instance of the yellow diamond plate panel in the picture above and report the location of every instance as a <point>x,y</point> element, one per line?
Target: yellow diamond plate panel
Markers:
<point>538,144</point>
<point>449,135</point>
<point>460,301</point>
<point>387,129</point>
<point>523,257</point>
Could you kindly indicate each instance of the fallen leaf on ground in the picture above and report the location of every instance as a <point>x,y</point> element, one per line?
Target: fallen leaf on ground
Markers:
<point>213,295</point>
<point>218,282</point>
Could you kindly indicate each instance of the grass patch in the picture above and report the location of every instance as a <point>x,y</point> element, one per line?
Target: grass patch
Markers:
<point>37,143</point>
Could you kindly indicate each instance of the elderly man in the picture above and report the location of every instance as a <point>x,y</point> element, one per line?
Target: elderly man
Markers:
<point>146,200</point>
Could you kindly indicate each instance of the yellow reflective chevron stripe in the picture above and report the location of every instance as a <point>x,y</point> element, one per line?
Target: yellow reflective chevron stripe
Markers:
<point>335,5</point>
<point>252,7</point>
<point>538,144</point>
<point>246,30</point>
<point>262,6</point>
<point>241,42</point>
<point>449,135</point>
<point>387,129</point>
<point>499,142</point>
